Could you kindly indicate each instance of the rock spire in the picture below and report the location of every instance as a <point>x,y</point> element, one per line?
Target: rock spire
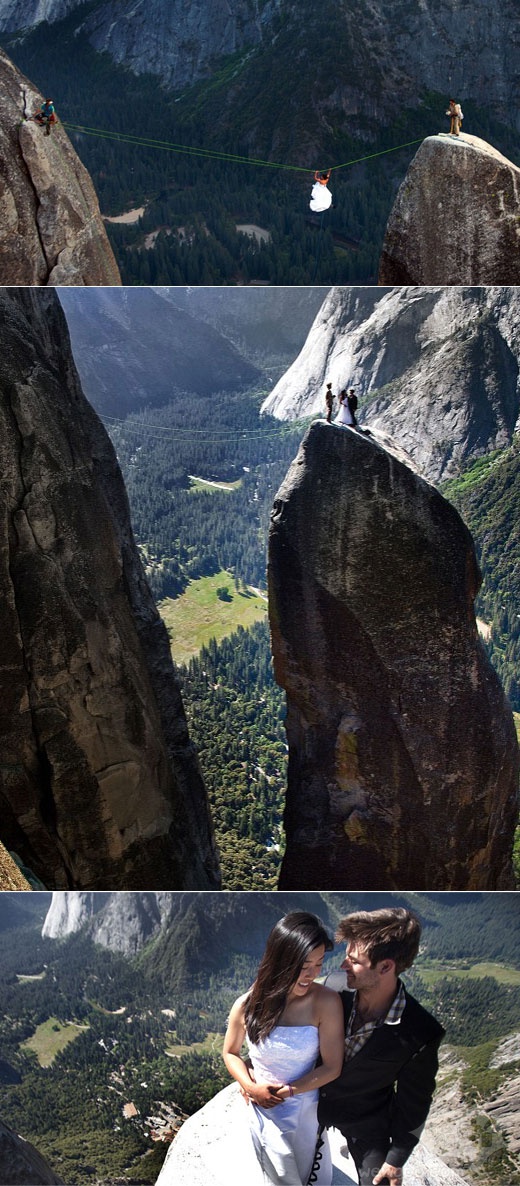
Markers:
<point>403,761</point>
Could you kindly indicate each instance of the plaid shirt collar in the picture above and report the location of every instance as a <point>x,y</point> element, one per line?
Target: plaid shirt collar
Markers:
<point>355,1042</point>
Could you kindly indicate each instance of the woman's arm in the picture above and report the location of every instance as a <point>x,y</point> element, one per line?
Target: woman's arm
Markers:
<point>264,1094</point>
<point>332,1047</point>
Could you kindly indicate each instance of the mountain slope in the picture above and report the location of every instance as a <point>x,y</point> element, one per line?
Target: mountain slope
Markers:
<point>132,348</point>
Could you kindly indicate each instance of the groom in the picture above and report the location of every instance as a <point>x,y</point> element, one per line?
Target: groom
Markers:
<point>382,1097</point>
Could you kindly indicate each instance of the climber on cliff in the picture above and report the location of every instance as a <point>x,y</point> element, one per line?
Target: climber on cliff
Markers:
<point>321,197</point>
<point>329,400</point>
<point>46,116</point>
<point>456,117</point>
<point>381,1100</point>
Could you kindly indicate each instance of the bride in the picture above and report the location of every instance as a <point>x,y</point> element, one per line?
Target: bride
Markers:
<point>288,1021</point>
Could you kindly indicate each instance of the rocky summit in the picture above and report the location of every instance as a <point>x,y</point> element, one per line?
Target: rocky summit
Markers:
<point>99,783</point>
<point>456,217</point>
<point>51,230</point>
<point>403,760</point>
<point>435,368</point>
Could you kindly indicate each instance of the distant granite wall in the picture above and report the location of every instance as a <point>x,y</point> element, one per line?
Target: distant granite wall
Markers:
<point>99,783</point>
<point>456,217</point>
<point>403,760</point>
<point>51,230</point>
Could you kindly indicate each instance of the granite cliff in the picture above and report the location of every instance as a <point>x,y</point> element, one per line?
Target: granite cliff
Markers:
<point>456,217</point>
<point>99,783</point>
<point>403,760</point>
<point>379,57</point>
<point>51,230</point>
<point>435,368</point>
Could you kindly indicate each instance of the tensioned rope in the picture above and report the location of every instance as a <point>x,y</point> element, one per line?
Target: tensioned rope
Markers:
<point>218,436</point>
<point>167,146</point>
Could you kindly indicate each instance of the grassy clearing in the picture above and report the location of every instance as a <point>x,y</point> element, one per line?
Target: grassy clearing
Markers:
<point>199,615</point>
<point>50,1037</point>
<point>209,487</point>
<point>212,1043</point>
<point>433,970</point>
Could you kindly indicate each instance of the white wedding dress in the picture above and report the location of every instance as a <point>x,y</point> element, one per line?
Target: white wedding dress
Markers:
<point>285,1136</point>
<point>344,416</point>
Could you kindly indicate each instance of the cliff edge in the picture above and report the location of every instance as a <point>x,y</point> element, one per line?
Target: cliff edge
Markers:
<point>100,786</point>
<point>51,230</point>
<point>403,760</point>
<point>456,217</point>
<point>20,1162</point>
<point>214,1148</point>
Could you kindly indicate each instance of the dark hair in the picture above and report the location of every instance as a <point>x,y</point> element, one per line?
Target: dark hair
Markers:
<point>392,933</point>
<point>289,944</point>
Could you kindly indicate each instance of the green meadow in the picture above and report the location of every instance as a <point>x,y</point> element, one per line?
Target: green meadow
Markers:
<point>199,615</point>
<point>432,970</point>
<point>50,1037</point>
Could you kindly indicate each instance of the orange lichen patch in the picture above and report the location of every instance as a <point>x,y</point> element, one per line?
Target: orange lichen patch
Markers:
<point>10,876</point>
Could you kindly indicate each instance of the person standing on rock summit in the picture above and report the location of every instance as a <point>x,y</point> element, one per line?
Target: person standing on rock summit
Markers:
<point>329,400</point>
<point>456,117</point>
<point>381,1100</point>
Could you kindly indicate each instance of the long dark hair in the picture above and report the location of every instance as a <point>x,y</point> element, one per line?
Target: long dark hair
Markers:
<point>289,944</point>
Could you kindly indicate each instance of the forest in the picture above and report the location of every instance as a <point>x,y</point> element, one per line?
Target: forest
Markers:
<point>125,1051</point>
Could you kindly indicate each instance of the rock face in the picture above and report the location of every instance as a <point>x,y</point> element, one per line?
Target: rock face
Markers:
<point>403,761</point>
<point>99,784</point>
<point>379,58</point>
<point>69,912</point>
<point>214,1148</point>
<point>51,230</point>
<point>21,1164</point>
<point>456,218</point>
<point>435,368</point>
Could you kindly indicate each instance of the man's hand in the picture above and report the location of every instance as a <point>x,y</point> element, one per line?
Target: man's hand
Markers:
<point>394,1174</point>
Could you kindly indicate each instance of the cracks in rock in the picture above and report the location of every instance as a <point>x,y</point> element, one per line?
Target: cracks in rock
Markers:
<point>37,200</point>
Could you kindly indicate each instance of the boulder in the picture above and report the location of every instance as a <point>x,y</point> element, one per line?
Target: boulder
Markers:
<point>456,217</point>
<point>403,759</point>
<point>100,786</point>
<point>51,230</point>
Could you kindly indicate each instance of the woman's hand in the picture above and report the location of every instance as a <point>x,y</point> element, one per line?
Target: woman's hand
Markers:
<point>267,1095</point>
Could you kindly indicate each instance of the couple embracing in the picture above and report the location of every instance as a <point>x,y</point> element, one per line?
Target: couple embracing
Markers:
<point>362,1060</point>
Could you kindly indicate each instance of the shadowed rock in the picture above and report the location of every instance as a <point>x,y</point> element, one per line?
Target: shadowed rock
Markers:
<point>456,217</point>
<point>51,230</point>
<point>99,783</point>
<point>21,1164</point>
<point>403,760</point>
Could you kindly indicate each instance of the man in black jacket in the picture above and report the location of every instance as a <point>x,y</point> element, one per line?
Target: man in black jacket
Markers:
<point>382,1097</point>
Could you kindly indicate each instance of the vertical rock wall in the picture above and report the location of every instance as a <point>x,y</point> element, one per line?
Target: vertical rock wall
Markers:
<point>99,784</point>
<point>403,761</point>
